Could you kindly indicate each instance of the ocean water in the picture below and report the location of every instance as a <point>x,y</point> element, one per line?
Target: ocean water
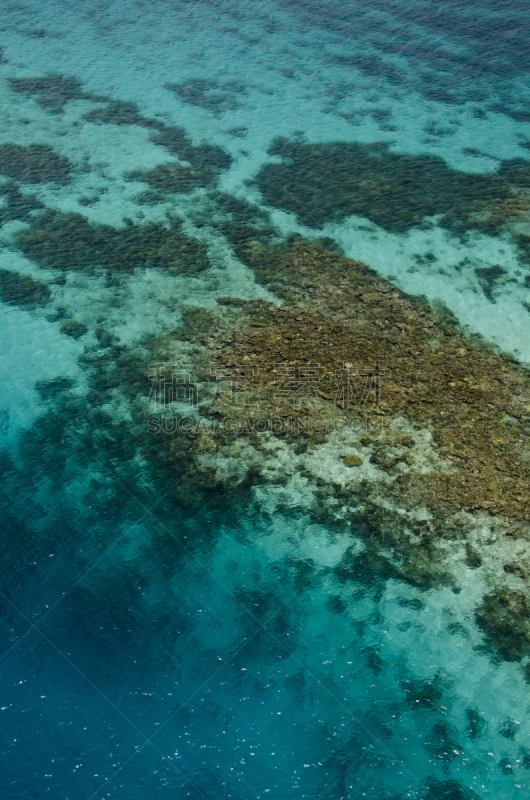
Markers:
<point>233,649</point>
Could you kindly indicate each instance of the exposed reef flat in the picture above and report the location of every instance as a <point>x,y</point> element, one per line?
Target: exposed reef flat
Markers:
<point>371,408</point>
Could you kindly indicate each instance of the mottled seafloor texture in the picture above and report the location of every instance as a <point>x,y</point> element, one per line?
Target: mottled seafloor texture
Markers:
<point>265,400</point>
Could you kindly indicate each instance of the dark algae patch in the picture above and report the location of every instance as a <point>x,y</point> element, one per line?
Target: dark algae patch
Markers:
<point>21,290</point>
<point>211,95</point>
<point>488,278</point>
<point>518,115</point>
<point>370,66</point>
<point>202,155</point>
<point>174,178</point>
<point>52,92</point>
<point>447,790</point>
<point>326,182</point>
<point>41,33</point>
<point>204,158</point>
<point>120,112</point>
<point>505,617</point>
<point>73,329</point>
<point>69,241</point>
<point>16,204</point>
<point>243,222</point>
<point>205,161</point>
<point>36,163</point>
<point>176,141</point>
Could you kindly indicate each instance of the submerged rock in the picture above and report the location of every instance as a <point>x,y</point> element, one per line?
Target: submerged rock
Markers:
<point>352,460</point>
<point>505,617</point>
<point>74,329</point>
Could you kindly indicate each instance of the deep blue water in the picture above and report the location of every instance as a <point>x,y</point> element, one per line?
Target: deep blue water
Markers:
<point>152,649</point>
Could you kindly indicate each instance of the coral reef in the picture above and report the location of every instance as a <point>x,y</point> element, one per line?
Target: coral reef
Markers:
<point>326,182</point>
<point>175,178</point>
<point>17,205</point>
<point>74,329</point>
<point>208,94</point>
<point>52,92</point>
<point>205,160</point>
<point>505,616</point>
<point>22,290</point>
<point>120,112</point>
<point>69,241</point>
<point>477,403</point>
<point>203,155</point>
<point>37,163</point>
<point>402,425</point>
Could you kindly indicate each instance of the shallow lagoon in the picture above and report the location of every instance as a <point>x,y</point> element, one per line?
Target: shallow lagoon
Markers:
<point>244,647</point>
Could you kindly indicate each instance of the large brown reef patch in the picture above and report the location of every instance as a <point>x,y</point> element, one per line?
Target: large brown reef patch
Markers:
<point>339,312</point>
<point>442,484</point>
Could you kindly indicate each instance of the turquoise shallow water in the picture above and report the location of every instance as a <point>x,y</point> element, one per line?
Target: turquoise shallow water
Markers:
<point>239,650</point>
